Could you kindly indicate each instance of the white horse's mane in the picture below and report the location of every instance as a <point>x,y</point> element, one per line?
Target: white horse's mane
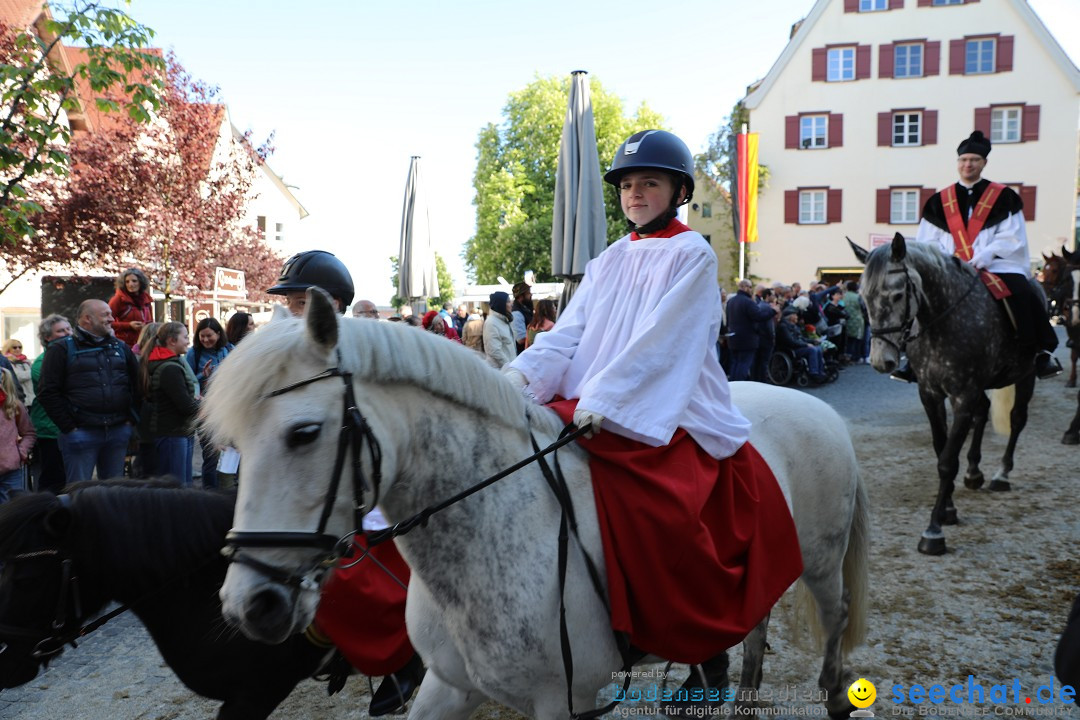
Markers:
<point>377,352</point>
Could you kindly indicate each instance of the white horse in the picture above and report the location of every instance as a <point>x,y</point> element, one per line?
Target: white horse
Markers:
<point>483,603</point>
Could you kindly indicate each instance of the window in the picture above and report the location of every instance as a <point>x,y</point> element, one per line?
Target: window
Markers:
<point>706,210</point>
<point>907,128</point>
<point>1005,125</point>
<point>872,5</point>
<point>948,2</point>
<point>904,207</point>
<point>979,56</point>
<point>908,61</point>
<point>260,222</point>
<point>812,207</point>
<point>812,131</point>
<point>279,231</point>
<point>840,64</point>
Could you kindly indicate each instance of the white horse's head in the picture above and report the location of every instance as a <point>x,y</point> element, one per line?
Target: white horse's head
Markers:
<point>300,399</point>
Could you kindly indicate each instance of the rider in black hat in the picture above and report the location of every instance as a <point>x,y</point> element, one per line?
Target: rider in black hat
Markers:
<point>990,217</point>
<point>313,268</point>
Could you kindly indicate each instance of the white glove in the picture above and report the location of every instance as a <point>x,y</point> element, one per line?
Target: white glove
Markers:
<point>516,377</point>
<point>519,381</point>
<point>982,259</point>
<point>589,419</point>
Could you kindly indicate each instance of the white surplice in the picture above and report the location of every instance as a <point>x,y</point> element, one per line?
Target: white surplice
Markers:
<point>637,344</point>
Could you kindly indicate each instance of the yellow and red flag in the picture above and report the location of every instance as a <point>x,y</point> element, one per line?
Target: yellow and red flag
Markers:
<point>746,161</point>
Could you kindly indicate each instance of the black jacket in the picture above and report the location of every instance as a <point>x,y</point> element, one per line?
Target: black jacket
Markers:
<point>789,337</point>
<point>89,382</point>
<point>172,404</point>
<point>743,316</point>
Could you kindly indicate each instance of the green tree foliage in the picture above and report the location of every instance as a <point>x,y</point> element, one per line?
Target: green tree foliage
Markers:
<point>36,86</point>
<point>515,176</point>
<point>442,274</point>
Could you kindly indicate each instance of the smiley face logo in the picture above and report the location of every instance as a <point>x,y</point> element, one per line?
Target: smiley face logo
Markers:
<point>862,693</point>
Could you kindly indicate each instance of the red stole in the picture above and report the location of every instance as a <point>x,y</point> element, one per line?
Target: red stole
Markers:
<point>964,233</point>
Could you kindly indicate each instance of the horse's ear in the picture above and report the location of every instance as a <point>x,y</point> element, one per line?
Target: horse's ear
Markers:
<point>899,248</point>
<point>861,253</point>
<point>280,313</point>
<point>321,318</point>
<point>1067,255</point>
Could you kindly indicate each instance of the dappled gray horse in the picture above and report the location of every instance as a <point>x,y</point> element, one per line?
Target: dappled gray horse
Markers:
<point>935,308</point>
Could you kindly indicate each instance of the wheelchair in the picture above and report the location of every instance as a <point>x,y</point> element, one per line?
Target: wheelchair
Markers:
<point>785,368</point>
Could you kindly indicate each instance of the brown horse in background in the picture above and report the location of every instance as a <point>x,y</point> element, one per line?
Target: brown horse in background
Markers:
<point>1061,281</point>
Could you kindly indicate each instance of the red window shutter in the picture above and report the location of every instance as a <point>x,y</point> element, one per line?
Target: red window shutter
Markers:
<point>924,196</point>
<point>819,64</point>
<point>929,129</point>
<point>896,4</point>
<point>791,206</point>
<point>1005,53</point>
<point>884,129</point>
<point>851,6</point>
<point>926,3</point>
<point>885,61</point>
<point>1029,126</point>
<point>982,120</point>
<point>932,58</point>
<point>791,132</point>
<point>956,57</point>
<point>836,130</point>
<point>1027,195</point>
<point>862,62</point>
<point>884,206</point>
<point>833,204</point>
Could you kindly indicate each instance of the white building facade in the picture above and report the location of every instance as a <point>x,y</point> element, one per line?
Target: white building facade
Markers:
<point>860,117</point>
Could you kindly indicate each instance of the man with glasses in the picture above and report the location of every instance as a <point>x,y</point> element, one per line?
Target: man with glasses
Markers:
<point>365,309</point>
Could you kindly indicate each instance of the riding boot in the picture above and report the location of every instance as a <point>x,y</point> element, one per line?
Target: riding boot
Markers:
<point>1046,365</point>
<point>396,689</point>
<point>711,674</point>
<point>904,373</point>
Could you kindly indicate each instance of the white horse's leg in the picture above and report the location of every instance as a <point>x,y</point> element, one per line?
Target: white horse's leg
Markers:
<point>832,604</point>
<point>753,658</point>
<point>439,700</point>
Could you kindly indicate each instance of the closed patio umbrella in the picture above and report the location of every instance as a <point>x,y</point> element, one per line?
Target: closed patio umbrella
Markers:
<point>579,225</point>
<point>417,280</point>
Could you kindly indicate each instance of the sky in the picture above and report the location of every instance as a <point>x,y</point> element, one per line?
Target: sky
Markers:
<point>353,88</point>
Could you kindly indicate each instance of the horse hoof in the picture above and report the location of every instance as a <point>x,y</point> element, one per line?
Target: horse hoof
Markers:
<point>974,482</point>
<point>1071,438</point>
<point>932,546</point>
<point>1071,383</point>
<point>1000,486</point>
<point>948,517</point>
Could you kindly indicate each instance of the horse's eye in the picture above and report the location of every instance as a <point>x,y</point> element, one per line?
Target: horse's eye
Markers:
<point>898,297</point>
<point>303,434</point>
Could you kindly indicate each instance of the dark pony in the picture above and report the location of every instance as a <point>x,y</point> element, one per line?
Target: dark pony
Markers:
<point>157,549</point>
<point>935,308</point>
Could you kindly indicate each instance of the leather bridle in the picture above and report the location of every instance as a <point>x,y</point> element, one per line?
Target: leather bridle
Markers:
<point>49,640</point>
<point>907,321</point>
<point>354,435</point>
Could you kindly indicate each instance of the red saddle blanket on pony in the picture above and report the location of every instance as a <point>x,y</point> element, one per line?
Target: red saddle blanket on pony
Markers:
<point>362,610</point>
<point>697,550</point>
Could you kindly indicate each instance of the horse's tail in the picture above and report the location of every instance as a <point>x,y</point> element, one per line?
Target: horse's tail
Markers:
<point>854,571</point>
<point>1002,401</point>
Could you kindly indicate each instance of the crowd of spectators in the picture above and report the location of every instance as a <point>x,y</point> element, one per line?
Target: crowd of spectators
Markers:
<point>822,325</point>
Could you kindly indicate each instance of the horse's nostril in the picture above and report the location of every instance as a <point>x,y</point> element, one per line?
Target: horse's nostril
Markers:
<point>269,611</point>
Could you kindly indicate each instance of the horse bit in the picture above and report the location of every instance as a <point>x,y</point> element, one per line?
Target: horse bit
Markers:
<point>355,433</point>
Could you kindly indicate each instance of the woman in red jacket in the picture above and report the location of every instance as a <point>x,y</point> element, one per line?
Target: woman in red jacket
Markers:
<point>131,305</point>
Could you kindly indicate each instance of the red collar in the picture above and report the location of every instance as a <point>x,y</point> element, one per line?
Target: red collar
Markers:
<point>161,353</point>
<point>673,228</point>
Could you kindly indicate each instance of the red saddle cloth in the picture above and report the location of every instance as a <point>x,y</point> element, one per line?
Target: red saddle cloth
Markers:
<point>362,611</point>
<point>697,550</point>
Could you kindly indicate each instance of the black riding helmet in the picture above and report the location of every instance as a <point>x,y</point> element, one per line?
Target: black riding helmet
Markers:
<point>316,268</point>
<point>655,149</point>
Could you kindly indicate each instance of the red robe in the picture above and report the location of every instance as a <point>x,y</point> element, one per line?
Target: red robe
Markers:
<point>697,550</point>
<point>362,611</point>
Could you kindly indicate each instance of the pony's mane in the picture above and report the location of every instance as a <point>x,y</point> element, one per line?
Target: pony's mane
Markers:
<point>163,532</point>
<point>924,258</point>
<point>377,352</point>
<point>19,512</point>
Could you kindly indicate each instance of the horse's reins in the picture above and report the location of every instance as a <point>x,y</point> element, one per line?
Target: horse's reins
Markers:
<point>908,320</point>
<point>355,432</point>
